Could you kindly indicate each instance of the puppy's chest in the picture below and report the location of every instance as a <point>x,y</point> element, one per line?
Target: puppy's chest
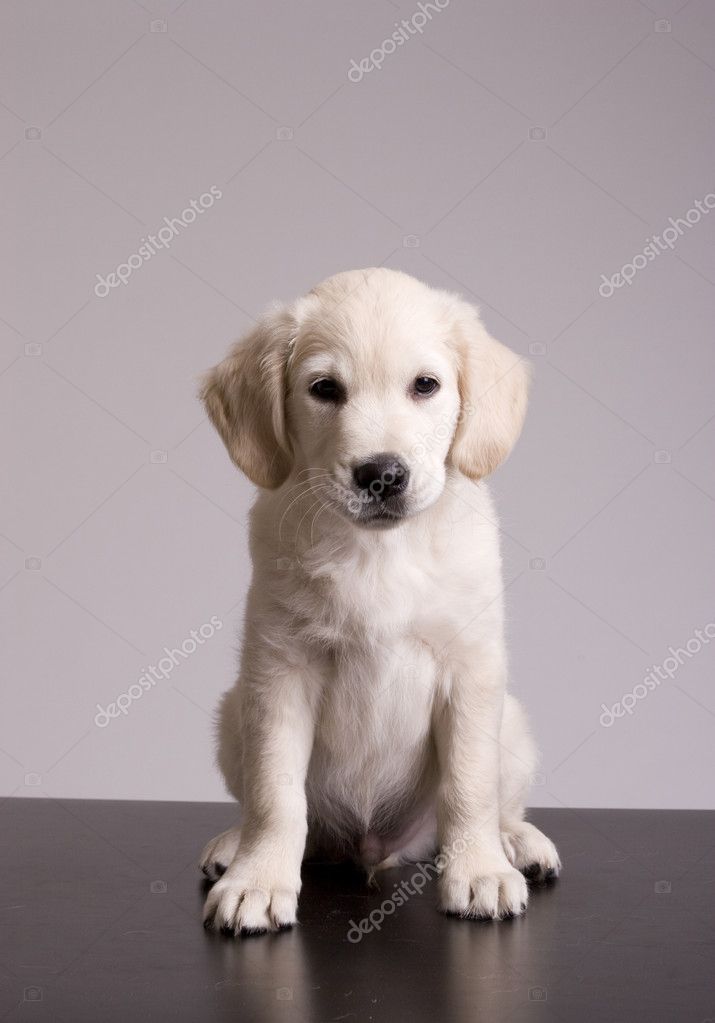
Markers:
<point>364,599</point>
<point>376,702</point>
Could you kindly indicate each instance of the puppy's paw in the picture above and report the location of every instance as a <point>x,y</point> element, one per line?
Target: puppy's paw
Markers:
<point>531,852</point>
<point>250,900</point>
<point>483,892</point>
<point>219,852</point>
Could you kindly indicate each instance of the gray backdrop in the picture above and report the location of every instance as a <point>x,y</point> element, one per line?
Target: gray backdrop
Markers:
<point>521,153</point>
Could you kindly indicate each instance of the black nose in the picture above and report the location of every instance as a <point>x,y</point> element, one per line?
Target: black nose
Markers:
<point>383,475</point>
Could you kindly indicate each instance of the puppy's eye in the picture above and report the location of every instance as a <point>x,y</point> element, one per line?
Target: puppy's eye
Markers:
<point>425,386</point>
<point>327,389</point>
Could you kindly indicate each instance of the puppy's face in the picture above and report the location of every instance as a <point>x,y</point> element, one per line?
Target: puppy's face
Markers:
<point>369,389</point>
<point>373,403</point>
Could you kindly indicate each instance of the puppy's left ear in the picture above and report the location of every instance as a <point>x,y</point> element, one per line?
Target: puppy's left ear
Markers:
<point>494,386</point>
<point>245,399</point>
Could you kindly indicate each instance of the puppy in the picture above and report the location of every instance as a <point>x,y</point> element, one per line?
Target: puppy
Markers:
<point>370,718</point>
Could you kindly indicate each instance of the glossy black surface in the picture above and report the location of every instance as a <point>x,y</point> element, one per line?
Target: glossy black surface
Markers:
<point>101,905</point>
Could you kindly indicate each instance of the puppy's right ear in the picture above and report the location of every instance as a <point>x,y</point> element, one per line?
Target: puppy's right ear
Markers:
<point>494,384</point>
<point>245,399</point>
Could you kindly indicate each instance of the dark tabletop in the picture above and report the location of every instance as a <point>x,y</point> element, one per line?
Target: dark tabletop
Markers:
<point>101,921</point>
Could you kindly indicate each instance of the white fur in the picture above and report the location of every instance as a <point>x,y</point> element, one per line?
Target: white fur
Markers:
<point>370,717</point>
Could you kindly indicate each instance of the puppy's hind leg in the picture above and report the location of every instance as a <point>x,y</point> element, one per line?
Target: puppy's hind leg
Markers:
<point>527,848</point>
<point>221,850</point>
<point>219,853</point>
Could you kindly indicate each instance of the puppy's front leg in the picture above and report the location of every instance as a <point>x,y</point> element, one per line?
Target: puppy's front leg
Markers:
<point>259,889</point>
<point>477,879</point>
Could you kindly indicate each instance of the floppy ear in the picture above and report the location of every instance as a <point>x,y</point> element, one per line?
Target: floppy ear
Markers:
<point>494,385</point>
<point>245,399</point>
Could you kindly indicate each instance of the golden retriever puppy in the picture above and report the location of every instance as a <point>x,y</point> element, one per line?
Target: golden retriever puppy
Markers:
<point>370,717</point>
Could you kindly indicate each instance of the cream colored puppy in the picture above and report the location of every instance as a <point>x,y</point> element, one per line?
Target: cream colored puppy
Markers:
<point>370,717</point>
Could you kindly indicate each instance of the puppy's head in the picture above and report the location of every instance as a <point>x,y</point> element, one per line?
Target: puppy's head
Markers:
<point>372,387</point>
